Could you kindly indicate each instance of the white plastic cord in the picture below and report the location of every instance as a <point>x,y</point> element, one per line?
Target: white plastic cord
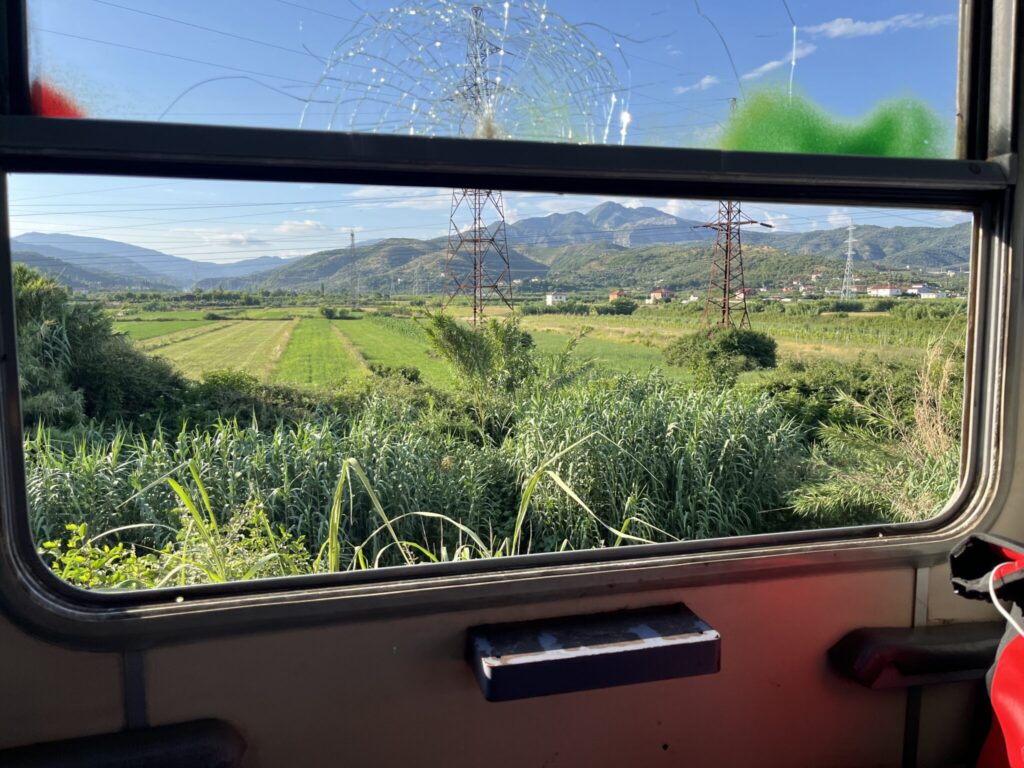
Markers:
<point>995,600</point>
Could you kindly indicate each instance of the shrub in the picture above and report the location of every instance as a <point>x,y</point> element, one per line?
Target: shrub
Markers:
<point>408,373</point>
<point>718,356</point>
<point>828,391</point>
<point>74,366</point>
<point>617,307</point>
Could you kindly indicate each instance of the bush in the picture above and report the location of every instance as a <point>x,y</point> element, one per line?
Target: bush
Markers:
<point>617,307</point>
<point>327,312</point>
<point>408,373</point>
<point>74,366</point>
<point>828,391</point>
<point>718,356</point>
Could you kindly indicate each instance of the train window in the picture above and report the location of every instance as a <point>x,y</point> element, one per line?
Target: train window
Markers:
<point>826,77</point>
<point>235,380</point>
<point>411,363</point>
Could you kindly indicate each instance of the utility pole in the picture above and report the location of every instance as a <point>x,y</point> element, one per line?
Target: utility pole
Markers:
<point>470,240</point>
<point>352,248</point>
<point>848,288</point>
<point>727,292</point>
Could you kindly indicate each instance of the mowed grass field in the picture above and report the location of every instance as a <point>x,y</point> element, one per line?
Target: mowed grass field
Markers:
<point>140,330</point>
<point>307,350</point>
<point>396,342</point>
<point>317,355</point>
<point>254,346</point>
<point>298,346</point>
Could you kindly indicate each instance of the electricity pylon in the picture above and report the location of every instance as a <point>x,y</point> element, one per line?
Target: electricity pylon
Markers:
<point>470,240</point>
<point>847,291</point>
<point>727,291</point>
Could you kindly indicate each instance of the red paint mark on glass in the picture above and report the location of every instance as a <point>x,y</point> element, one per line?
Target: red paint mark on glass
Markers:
<point>48,101</point>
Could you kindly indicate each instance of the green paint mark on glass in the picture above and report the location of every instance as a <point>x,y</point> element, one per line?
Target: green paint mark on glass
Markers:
<point>768,121</point>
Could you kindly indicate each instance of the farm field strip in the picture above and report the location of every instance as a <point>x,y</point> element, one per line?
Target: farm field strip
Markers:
<point>140,330</point>
<point>313,354</point>
<point>352,349</point>
<point>612,355</point>
<point>168,315</point>
<point>394,346</point>
<point>844,338</point>
<point>159,342</point>
<point>241,346</point>
<point>279,349</point>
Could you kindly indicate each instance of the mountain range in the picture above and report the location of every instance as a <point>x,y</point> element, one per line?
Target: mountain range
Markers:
<point>608,246</point>
<point>109,264</point>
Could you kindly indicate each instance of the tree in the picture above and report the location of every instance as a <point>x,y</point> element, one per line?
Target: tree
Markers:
<point>498,355</point>
<point>73,365</point>
<point>717,357</point>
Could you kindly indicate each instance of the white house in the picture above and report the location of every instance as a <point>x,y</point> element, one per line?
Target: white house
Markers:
<point>920,289</point>
<point>885,290</point>
<point>932,293</point>
<point>555,298</point>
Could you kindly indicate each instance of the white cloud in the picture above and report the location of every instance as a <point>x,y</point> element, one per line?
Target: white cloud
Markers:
<point>220,237</point>
<point>690,209</point>
<point>401,197</point>
<point>775,219</point>
<point>802,49</point>
<point>847,27</point>
<point>839,217</point>
<point>306,226</point>
<point>701,85</point>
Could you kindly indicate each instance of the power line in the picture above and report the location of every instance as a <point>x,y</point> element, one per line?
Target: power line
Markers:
<point>204,28</point>
<point>187,59</point>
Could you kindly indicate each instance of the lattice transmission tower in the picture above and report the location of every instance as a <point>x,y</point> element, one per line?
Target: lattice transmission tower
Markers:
<point>477,263</point>
<point>727,291</point>
<point>848,289</point>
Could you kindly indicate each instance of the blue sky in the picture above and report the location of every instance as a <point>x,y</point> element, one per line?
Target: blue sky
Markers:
<point>635,73</point>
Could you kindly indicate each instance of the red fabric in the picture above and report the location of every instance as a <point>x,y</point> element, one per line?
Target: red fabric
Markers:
<point>48,101</point>
<point>1004,747</point>
<point>1010,554</point>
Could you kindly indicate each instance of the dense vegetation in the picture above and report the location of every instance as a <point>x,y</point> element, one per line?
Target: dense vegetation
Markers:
<point>138,476</point>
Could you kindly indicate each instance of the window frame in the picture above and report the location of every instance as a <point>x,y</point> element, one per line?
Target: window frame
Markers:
<point>982,183</point>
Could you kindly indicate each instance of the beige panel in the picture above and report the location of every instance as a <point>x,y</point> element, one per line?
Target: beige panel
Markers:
<point>49,693</point>
<point>945,606</point>
<point>400,693</point>
<point>948,715</point>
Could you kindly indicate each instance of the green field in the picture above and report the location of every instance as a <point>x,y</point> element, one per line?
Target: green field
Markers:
<point>296,345</point>
<point>140,330</point>
<point>616,356</point>
<point>317,355</point>
<point>253,347</point>
<point>396,342</point>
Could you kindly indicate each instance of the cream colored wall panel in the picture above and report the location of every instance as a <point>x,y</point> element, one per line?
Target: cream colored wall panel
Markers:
<point>48,692</point>
<point>399,692</point>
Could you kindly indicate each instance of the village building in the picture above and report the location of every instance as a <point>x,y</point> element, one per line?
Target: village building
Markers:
<point>616,295</point>
<point>555,298</point>
<point>918,289</point>
<point>883,291</point>
<point>659,295</point>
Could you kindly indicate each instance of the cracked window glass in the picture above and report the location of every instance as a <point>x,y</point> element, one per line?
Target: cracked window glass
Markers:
<point>829,76</point>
